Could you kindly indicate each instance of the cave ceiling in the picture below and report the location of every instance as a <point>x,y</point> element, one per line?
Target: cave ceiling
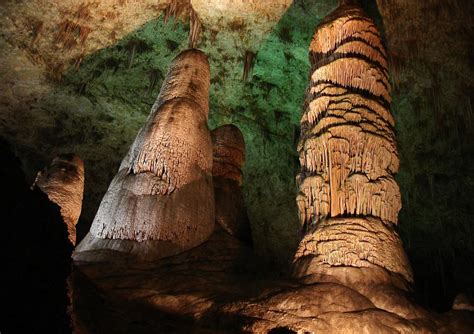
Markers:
<point>81,76</point>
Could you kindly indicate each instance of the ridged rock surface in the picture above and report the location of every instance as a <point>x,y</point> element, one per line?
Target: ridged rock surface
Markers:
<point>348,200</point>
<point>222,287</point>
<point>63,182</point>
<point>228,147</point>
<point>161,202</point>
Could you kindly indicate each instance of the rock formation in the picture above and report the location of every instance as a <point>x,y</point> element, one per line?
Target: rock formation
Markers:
<point>161,201</point>
<point>352,269</point>
<point>349,200</point>
<point>63,182</point>
<point>229,157</point>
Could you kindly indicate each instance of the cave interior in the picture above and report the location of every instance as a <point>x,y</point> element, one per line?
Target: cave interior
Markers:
<point>79,79</point>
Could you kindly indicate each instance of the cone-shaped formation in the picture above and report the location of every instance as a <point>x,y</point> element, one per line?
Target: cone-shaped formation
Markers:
<point>161,201</point>
<point>229,157</point>
<point>348,200</point>
<point>63,182</point>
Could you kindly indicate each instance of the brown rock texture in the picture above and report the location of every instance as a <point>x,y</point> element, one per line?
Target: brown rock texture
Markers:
<point>228,158</point>
<point>161,201</point>
<point>57,34</point>
<point>348,200</point>
<point>214,288</point>
<point>63,182</point>
<point>351,269</point>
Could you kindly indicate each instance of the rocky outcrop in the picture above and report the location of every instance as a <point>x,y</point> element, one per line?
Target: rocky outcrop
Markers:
<point>349,200</point>
<point>221,286</point>
<point>63,182</point>
<point>161,201</point>
<point>229,157</point>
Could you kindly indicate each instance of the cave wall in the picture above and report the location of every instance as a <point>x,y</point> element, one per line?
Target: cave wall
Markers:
<point>65,93</point>
<point>430,44</point>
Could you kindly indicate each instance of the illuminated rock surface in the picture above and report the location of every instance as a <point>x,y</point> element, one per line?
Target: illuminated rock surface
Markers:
<point>353,275</point>
<point>63,182</point>
<point>161,202</point>
<point>348,200</point>
<point>82,76</point>
<point>221,287</point>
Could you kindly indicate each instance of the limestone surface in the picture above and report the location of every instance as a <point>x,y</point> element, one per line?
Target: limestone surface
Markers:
<point>228,158</point>
<point>63,182</point>
<point>161,201</point>
<point>348,200</point>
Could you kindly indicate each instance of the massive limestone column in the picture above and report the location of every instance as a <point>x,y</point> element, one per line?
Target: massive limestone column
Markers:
<point>229,157</point>
<point>161,201</point>
<point>348,198</point>
<point>63,182</point>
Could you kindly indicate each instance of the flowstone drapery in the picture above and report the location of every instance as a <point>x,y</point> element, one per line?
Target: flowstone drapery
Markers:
<point>161,201</point>
<point>63,182</point>
<point>348,199</point>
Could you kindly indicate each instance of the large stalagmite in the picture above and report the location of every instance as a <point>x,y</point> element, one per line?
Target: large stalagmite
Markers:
<point>228,147</point>
<point>63,182</point>
<point>348,199</point>
<point>161,201</point>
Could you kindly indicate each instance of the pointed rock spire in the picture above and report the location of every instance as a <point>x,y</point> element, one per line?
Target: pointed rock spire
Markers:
<point>161,201</point>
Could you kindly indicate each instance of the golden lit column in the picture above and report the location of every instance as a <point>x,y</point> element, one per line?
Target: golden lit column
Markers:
<point>348,198</point>
<point>161,202</point>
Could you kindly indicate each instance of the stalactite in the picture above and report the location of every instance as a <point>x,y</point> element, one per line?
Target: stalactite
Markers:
<point>348,199</point>
<point>183,9</point>
<point>195,27</point>
<point>249,58</point>
<point>63,182</point>
<point>72,33</point>
<point>131,56</point>
<point>161,201</point>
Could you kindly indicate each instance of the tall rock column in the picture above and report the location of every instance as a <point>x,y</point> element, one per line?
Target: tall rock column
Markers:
<point>229,157</point>
<point>63,182</point>
<point>348,198</point>
<point>161,201</point>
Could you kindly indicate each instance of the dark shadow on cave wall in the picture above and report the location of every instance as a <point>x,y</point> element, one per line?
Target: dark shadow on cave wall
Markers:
<point>98,108</point>
<point>430,47</point>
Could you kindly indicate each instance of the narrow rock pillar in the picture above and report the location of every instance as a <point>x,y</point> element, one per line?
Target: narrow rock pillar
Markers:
<point>229,157</point>
<point>348,198</point>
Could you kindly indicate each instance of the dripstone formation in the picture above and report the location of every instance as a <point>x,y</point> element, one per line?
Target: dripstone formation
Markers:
<point>351,274</point>
<point>348,199</point>
<point>161,201</point>
<point>229,157</point>
<point>63,182</point>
